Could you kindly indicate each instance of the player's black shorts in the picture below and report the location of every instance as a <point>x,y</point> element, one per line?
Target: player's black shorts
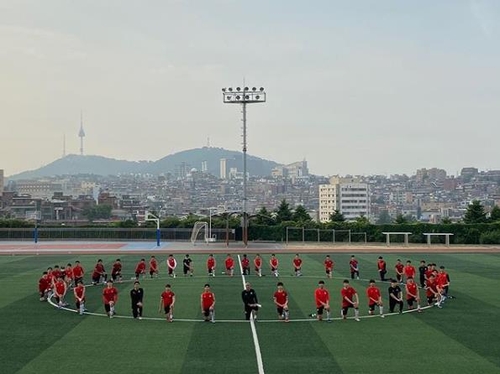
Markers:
<point>280,310</point>
<point>206,312</point>
<point>116,275</point>
<point>210,270</point>
<point>273,269</point>
<point>319,310</point>
<point>328,271</point>
<point>345,309</point>
<point>371,307</point>
<point>297,269</point>
<point>410,301</point>
<point>166,308</point>
<point>107,308</point>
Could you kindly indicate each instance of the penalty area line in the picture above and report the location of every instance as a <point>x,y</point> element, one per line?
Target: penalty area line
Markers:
<point>258,354</point>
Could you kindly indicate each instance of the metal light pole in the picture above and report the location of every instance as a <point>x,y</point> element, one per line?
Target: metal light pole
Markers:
<point>244,96</point>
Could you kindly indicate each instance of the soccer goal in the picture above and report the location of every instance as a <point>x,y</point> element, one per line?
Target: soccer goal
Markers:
<point>197,231</point>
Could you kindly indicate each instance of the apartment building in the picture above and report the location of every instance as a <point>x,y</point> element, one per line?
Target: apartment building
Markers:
<point>350,196</point>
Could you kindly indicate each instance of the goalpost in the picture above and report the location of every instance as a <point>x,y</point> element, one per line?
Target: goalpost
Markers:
<point>198,226</point>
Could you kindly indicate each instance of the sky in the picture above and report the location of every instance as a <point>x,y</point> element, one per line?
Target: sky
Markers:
<point>353,87</point>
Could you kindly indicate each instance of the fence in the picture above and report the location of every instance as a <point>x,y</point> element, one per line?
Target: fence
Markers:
<point>107,234</point>
<point>302,234</point>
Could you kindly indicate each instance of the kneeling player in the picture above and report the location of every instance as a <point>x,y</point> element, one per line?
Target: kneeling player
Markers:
<point>44,286</point>
<point>109,297</point>
<point>412,294</point>
<point>79,292</point>
<point>374,299</point>
<point>322,298</point>
<point>116,271</point>
<point>349,300</point>
<point>281,300</point>
<point>167,301</point>
<point>329,263</point>
<point>60,288</point>
<point>229,265</point>
<point>208,304</point>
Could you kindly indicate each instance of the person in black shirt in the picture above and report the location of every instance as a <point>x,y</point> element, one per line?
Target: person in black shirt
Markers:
<point>422,269</point>
<point>186,265</point>
<point>250,301</point>
<point>395,296</point>
<point>136,296</point>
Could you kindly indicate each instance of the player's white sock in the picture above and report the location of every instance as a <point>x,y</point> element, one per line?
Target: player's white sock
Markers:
<point>82,308</point>
<point>212,315</point>
<point>286,313</point>
<point>112,310</point>
<point>356,313</point>
<point>381,310</point>
<point>328,315</point>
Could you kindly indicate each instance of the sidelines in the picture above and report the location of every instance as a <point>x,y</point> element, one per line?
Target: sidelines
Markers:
<point>260,364</point>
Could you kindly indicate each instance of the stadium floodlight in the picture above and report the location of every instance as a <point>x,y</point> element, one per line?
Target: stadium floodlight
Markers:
<point>248,97</point>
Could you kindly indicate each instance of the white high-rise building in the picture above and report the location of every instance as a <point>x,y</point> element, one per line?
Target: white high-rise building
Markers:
<point>1,182</point>
<point>223,169</point>
<point>347,195</point>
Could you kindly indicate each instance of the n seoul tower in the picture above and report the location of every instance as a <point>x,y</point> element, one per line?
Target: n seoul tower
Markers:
<point>81,134</point>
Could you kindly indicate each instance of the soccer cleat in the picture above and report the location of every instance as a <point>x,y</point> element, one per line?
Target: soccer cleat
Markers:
<point>382,316</point>
<point>357,319</point>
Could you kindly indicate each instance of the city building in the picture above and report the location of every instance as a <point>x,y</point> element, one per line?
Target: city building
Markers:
<point>349,196</point>
<point>223,168</point>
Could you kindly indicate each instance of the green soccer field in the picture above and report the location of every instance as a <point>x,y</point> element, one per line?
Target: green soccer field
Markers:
<point>463,337</point>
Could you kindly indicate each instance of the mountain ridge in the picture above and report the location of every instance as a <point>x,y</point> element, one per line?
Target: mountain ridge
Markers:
<point>192,158</point>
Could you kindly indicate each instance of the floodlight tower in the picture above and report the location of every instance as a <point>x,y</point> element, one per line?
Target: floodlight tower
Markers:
<point>244,96</point>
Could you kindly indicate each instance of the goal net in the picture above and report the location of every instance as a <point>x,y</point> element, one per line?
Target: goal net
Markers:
<point>197,232</point>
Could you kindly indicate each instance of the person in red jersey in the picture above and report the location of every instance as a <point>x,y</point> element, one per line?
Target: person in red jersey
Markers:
<point>211,265</point>
<point>412,294</point>
<point>109,297</point>
<point>60,289</point>
<point>78,272</point>
<point>116,271</point>
<point>349,300</point>
<point>79,292</point>
<point>245,265</point>
<point>322,299</point>
<point>50,278</point>
<point>257,263</point>
<point>443,282</point>
<point>207,301</point>
<point>280,299</point>
<point>409,270</point>
<point>430,271</point>
<point>374,299</point>
<point>354,267</point>
<point>68,275</point>
<point>382,268</point>
<point>153,267</point>
<point>329,264</point>
<point>399,268</point>
<point>171,265</point>
<point>167,302</point>
<point>99,273</point>
<point>297,265</point>
<point>56,273</point>
<point>274,263</point>
<point>140,269</point>
<point>44,286</point>
<point>229,262</point>
<point>431,290</point>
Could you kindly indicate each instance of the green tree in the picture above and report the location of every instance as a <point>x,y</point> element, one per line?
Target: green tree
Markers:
<point>384,218</point>
<point>446,220</point>
<point>400,219</point>
<point>495,214</point>
<point>362,220</point>
<point>300,214</point>
<point>283,212</point>
<point>263,217</point>
<point>337,217</point>
<point>475,213</point>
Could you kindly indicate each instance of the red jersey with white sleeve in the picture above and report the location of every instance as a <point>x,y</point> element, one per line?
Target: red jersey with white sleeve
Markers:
<point>373,294</point>
<point>353,264</point>
<point>245,262</point>
<point>171,263</point>
<point>409,271</point>
<point>207,299</point>
<point>347,294</point>
<point>399,268</point>
<point>411,290</point>
<point>297,263</point>
<point>321,296</point>
<point>78,271</point>
<point>442,279</point>
<point>329,264</point>
<point>60,287</point>
<point>110,294</point>
<point>153,265</point>
<point>211,263</point>
<point>274,262</point>
<point>229,263</point>
<point>98,271</point>
<point>140,268</point>
<point>79,292</point>
<point>257,262</point>
<point>280,297</point>
<point>167,298</point>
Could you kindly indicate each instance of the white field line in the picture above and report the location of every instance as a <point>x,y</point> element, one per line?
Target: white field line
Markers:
<point>258,354</point>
